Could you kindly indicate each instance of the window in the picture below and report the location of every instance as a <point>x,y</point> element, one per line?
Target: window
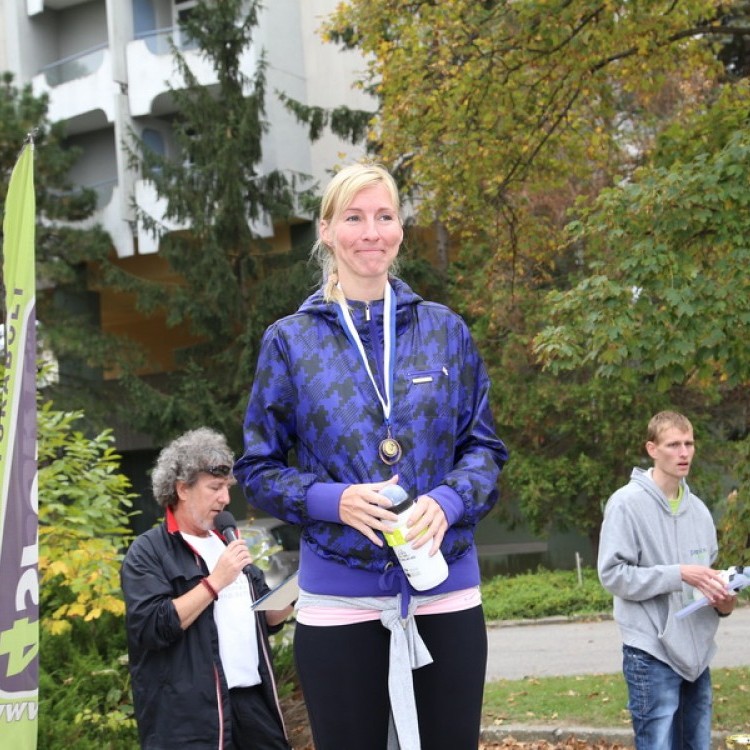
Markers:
<point>182,11</point>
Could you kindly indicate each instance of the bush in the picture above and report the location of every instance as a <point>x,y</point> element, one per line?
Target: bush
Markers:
<point>84,507</point>
<point>283,662</point>
<point>545,594</point>
<point>84,504</point>
<point>84,688</point>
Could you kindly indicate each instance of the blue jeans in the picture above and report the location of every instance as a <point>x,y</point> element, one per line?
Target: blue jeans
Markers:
<point>668,711</point>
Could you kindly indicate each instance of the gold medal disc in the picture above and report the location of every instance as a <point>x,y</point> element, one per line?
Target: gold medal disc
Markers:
<point>389,451</point>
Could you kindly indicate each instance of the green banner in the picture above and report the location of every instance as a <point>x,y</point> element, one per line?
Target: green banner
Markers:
<point>19,551</point>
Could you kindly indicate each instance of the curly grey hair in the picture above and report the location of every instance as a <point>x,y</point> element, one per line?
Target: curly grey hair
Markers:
<point>194,452</point>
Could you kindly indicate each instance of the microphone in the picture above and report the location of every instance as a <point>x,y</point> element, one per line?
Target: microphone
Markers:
<point>225,524</point>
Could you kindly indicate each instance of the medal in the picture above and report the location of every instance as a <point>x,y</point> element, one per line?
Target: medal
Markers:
<point>390,451</point>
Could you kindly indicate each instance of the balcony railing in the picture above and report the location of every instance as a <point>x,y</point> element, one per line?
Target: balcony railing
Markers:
<point>157,41</point>
<point>75,66</point>
<point>103,192</point>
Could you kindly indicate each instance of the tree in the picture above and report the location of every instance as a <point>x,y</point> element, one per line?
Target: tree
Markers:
<point>665,284</point>
<point>663,293</point>
<point>232,284</point>
<point>509,118</point>
<point>480,98</point>
<point>62,251</point>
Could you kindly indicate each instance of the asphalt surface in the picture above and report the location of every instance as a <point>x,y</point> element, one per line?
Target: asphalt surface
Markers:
<point>557,647</point>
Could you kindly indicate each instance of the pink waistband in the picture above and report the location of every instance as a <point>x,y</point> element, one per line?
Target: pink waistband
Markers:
<point>455,601</point>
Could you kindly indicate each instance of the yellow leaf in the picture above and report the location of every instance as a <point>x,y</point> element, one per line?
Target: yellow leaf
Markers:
<point>93,614</point>
<point>57,627</point>
<point>59,567</point>
<point>116,607</point>
<point>76,610</point>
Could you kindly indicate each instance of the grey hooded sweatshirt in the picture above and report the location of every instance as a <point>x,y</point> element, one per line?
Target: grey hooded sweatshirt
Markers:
<point>641,548</point>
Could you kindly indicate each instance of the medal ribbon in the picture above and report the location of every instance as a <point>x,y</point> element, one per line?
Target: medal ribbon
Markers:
<point>389,347</point>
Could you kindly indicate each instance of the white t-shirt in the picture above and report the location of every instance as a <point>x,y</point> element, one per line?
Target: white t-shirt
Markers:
<point>235,621</point>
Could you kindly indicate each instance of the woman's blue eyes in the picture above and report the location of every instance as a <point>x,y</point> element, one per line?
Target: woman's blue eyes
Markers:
<point>356,217</point>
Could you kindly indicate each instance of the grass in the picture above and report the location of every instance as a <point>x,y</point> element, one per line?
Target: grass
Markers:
<point>584,700</point>
<point>601,701</point>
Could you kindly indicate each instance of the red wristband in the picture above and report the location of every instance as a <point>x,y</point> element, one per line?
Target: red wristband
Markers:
<point>211,589</point>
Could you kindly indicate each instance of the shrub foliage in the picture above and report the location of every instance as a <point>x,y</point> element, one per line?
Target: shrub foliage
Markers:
<point>545,593</point>
<point>84,503</point>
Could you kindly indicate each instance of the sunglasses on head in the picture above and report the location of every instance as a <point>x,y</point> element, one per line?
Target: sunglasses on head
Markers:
<point>222,470</point>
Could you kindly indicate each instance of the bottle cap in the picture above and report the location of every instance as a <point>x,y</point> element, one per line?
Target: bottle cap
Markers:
<point>397,495</point>
<point>401,507</point>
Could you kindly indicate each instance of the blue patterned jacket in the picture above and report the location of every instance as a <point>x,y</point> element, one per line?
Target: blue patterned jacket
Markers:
<point>314,422</point>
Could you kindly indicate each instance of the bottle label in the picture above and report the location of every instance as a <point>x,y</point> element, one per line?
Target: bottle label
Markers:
<point>397,537</point>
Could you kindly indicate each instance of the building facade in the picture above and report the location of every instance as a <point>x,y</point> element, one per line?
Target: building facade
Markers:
<point>107,68</point>
<point>108,71</point>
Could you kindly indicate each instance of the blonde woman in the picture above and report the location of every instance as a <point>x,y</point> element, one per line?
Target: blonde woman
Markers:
<point>368,385</point>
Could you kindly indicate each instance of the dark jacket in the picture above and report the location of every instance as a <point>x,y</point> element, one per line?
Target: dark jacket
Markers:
<point>177,675</point>
<point>312,398</point>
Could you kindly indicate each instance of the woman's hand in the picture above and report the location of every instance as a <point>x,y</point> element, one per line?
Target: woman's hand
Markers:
<point>427,522</point>
<point>363,508</point>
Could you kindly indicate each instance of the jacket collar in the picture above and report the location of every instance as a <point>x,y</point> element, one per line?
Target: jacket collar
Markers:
<point>172,526</point>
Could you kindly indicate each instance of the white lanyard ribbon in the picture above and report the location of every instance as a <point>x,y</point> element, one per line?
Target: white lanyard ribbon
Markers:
<point>389,343</point>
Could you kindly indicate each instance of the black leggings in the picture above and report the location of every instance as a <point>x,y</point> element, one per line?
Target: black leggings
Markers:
<point>343,671</point>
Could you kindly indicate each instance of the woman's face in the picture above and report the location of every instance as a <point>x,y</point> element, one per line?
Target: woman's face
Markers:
<point>365,238</point>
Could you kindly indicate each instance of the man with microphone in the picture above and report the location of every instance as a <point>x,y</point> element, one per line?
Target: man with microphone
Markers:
<point>200,660</point>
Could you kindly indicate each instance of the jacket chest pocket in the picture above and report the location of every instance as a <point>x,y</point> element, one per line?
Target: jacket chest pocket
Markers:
<point>428,391</point>
<point>428,377</point>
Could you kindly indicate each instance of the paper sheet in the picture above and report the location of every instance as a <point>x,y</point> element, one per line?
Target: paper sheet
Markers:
<point>283,595</point>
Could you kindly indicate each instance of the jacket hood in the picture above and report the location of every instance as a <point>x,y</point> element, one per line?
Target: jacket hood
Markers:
<point>405,297</point>
<point>643,479</point>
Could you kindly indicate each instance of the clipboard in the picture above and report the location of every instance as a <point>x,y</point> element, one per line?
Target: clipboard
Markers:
<point>282,596</point>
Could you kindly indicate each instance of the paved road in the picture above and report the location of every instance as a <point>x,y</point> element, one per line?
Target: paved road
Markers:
<point>566,648</point>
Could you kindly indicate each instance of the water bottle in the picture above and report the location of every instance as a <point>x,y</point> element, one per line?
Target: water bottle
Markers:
<point>423,571</point>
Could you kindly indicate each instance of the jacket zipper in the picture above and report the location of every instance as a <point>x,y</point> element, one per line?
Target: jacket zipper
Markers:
<point>217,682</point>
<point>267,659</point>
<point>678,548</point>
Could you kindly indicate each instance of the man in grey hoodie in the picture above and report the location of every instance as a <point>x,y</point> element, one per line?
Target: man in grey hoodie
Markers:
<point>657,545</point>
